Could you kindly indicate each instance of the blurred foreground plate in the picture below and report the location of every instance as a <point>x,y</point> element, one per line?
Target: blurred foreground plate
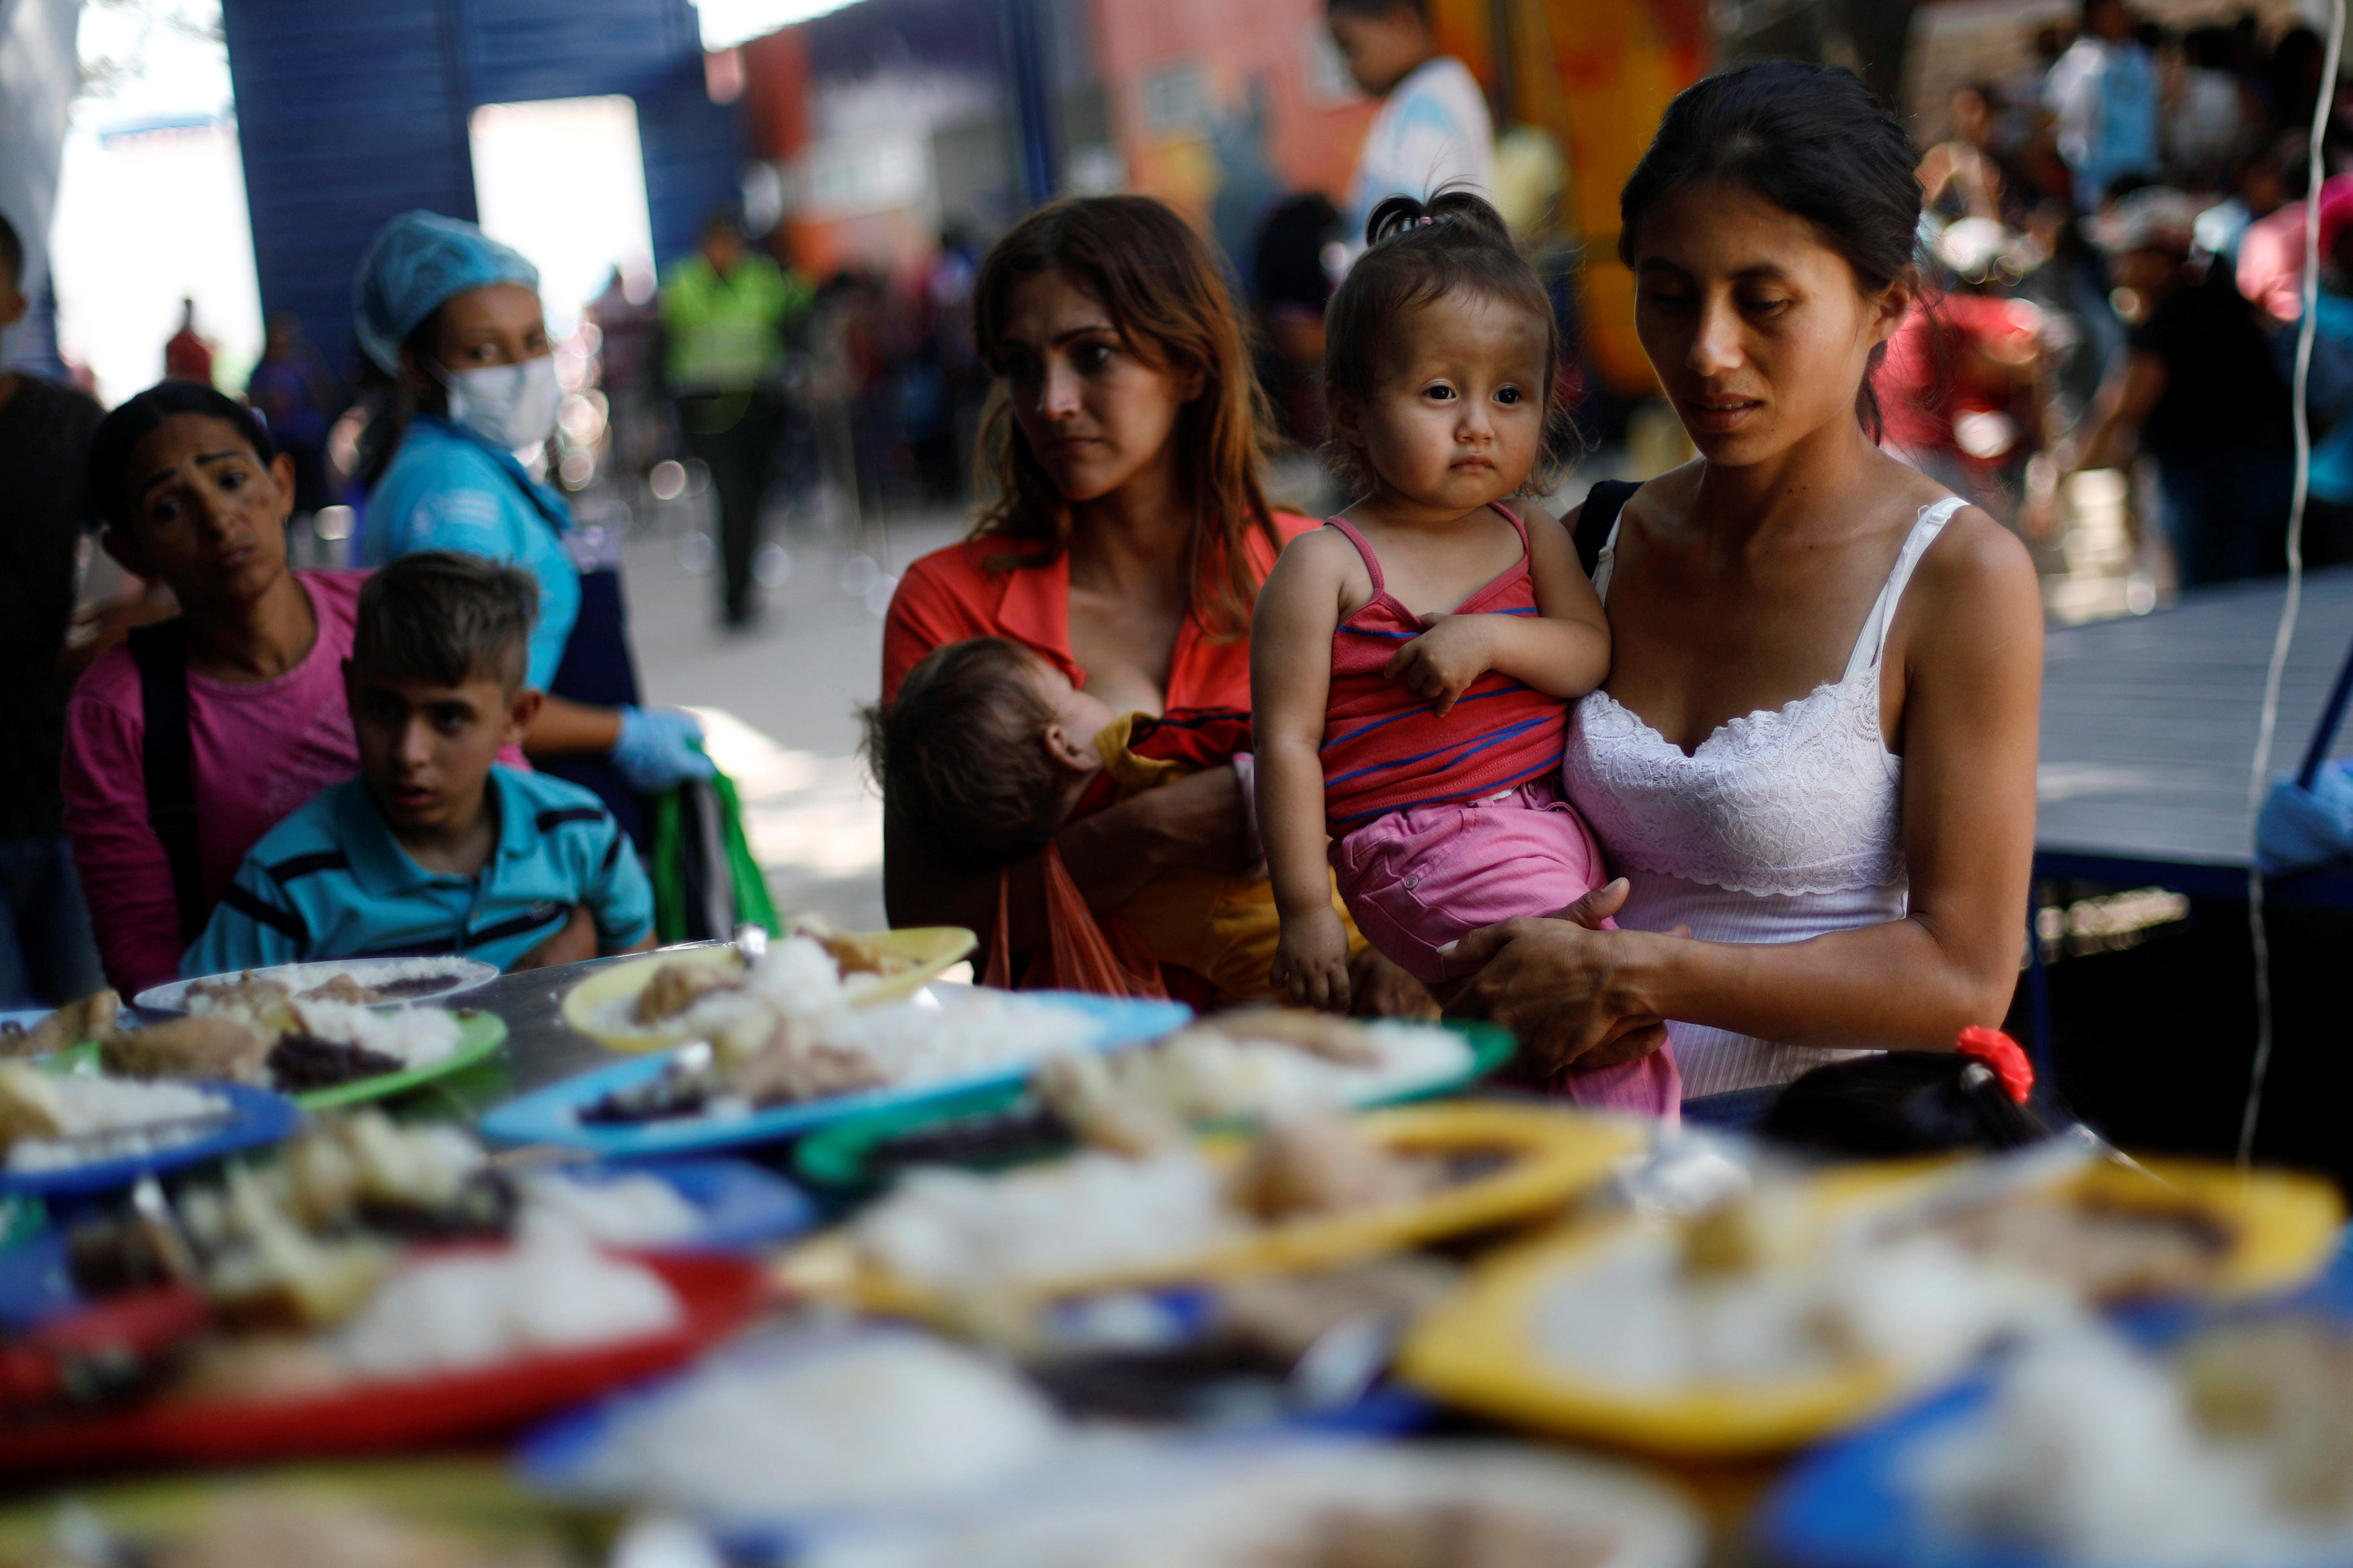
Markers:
<point>1547,1156</point>
<point>551,1115</point>
<point>842,1155</point>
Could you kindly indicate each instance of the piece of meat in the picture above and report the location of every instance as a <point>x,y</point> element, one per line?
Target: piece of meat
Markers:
<point>676,986</point>
<point>1322,1165</point>
<point>795,1066</point>
<point>191,1047</point>
<point>30,1106</point>
<point>851,953</point>
<point>70,1025</point>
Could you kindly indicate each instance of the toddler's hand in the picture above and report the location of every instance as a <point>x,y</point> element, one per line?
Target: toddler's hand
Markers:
<point>1441,663</point>
<point>1311,961</point>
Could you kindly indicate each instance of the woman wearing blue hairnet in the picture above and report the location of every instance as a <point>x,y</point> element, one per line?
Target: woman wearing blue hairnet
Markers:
<point>453,318</point>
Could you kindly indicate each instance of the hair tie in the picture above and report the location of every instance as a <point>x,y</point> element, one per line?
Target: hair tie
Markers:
<point>2000,1053</point>
<point>1424,221</point>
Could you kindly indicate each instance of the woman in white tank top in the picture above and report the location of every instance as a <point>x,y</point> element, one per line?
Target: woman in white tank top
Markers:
<point>1813,765</point>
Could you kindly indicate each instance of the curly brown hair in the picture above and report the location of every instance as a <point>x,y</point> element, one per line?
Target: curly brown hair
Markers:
<point>1146,266</point>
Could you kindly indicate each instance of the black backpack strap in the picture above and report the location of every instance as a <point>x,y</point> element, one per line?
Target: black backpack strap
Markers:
<point>168,759</point>
<point>1603,502</point>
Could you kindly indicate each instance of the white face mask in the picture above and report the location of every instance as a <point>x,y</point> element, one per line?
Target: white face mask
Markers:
<point>510,405</point>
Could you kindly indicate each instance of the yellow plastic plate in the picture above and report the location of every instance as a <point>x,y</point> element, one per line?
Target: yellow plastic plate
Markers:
<point>930,949</point>
<point>1477,1349</point>
<point>471,1501</point>
<point>1551,1156</point>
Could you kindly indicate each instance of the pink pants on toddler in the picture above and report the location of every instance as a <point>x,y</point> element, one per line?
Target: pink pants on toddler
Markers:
<point>1419,878</point>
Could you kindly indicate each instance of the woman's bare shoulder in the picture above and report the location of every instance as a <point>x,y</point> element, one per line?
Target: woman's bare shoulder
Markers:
<point>1979,560</point>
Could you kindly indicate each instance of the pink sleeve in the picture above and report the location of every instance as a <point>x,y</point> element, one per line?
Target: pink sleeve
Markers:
<point>125,879</point>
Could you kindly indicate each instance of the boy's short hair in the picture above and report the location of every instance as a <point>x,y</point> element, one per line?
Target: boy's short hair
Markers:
<point>959,758</point>
<point>1418,9</point>
<point>445,618</point>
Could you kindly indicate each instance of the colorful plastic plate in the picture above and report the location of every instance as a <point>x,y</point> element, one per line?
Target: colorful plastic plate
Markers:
<point>587,1006</point>
<point>478,1035</point>
<point>465,974</point>
<point>838,1155</point>
<point>256,1117</point>
<point>550,1116</point>
<point>1549,1156</point>
<point>740,1206</point>
<point>719,1294</point>
<point>472,1503</point>
<point>1478,1349</point>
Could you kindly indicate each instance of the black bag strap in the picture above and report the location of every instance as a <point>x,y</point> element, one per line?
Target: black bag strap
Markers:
<point>168,759</point>
<point>1603,502</point>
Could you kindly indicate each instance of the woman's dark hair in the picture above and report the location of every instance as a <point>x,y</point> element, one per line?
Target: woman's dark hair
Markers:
<point>1813,140</point>
<point>1417,252</point>
<point>389,402</point>
<point>1162,287</point>
<point>120,433</point>
<point>1899,1103</point>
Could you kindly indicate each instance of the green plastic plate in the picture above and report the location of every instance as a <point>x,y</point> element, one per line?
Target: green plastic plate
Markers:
<point>479,1035</point>
<point>837,1156</point>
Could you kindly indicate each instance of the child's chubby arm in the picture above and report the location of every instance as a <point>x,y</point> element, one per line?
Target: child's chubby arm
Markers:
<point>1291,678</point>
<point>1562,650</point>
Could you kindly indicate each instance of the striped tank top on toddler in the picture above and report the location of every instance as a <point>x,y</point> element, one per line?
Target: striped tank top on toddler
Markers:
<point>1443,826</point>
<point>1385,749</point>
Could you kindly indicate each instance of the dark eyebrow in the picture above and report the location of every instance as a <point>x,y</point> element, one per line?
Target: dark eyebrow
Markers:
<point>1772,270</point>
<point>1059,339</point>
<point>201,458</point>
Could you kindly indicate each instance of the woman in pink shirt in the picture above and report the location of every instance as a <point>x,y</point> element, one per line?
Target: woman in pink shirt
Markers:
<point>194,495</point>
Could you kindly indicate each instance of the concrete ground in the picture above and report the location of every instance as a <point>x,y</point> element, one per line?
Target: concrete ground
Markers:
<point>779,700</point>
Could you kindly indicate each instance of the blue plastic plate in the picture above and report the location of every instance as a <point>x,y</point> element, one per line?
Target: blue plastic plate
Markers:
<point>256,1117</point>
<point>549,1115</point>
<point>1845,1506</point>
<point>742,1205</point>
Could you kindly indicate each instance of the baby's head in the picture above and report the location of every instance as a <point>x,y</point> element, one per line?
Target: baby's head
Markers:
<point>1441,359</point>
<point>440,650</point>
<point>984,751</point>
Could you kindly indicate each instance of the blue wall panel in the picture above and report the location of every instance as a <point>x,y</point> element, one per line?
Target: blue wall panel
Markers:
<point>348,113</point>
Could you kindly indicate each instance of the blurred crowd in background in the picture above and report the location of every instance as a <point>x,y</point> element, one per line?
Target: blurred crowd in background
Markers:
<point>2116,230</point>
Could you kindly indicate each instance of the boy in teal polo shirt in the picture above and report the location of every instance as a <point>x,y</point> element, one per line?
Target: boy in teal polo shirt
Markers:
<point>433,849</point>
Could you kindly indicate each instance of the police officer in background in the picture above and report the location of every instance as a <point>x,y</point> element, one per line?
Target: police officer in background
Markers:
<point>724,313</point>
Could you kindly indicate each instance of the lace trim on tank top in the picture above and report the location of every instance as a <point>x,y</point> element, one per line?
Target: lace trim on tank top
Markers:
<point>1801,799</point>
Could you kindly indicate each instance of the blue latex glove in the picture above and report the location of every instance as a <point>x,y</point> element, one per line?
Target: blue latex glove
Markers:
<point>2299,828</point>
<point>659,749</point>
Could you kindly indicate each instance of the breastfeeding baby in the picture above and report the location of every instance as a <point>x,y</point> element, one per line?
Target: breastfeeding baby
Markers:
<point>1413,661</point>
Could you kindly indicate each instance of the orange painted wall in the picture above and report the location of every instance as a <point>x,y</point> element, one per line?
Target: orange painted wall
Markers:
<point>1311,141</point>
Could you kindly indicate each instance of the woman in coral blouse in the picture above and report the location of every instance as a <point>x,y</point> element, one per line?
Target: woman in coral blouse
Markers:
<point>1125,545</point>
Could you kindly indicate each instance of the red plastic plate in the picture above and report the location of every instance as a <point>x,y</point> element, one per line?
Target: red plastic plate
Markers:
<point>719,1294</point>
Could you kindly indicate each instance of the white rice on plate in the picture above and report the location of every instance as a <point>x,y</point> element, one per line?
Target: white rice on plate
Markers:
<point>90,1105</point>
<point>825,1423</point>
<point>1092,1214</point>
<point>551,1292</point>
<point>983,1031</point>
<point>1203,1073</point>
<point>416,1035</point>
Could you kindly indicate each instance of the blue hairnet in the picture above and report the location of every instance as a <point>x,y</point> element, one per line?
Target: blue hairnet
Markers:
<point>420,259</point>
